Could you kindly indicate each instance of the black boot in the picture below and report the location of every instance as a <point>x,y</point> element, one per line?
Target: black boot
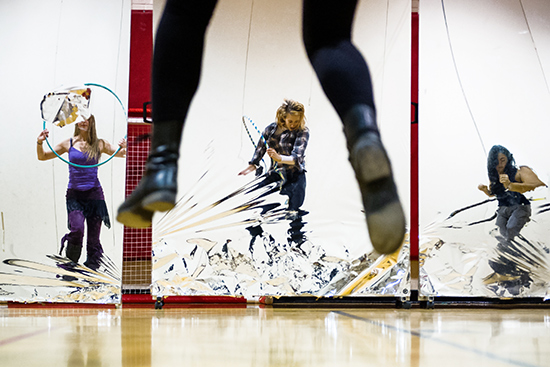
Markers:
<point>94,257</point>
<point>73,252</point>
<point>384,214</point>
<point>157,189</point>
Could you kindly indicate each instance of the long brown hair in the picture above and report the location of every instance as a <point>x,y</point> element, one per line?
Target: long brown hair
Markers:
<point>291,107</point>
<point>92,147</point>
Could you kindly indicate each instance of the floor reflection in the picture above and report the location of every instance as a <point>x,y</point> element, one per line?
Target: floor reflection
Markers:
<point>265,336</point>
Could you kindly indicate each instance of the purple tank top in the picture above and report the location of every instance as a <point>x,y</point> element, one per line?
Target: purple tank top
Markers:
<point>81,178</point>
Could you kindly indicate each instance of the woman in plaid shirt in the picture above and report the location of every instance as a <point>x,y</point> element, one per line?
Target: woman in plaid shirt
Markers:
<point>287,140</point>
<point>344,76</point>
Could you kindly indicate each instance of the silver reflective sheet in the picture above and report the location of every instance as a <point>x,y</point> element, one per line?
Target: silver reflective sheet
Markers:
<point>462,254</point>
<point>247,244</point>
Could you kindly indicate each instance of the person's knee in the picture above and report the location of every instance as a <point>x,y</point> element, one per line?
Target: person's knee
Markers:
<point>76,224</point>
<point>502,223</point>
<point>315,42</point>
<point>513,229</point>
<point>503,231</point>
<point>310,45</point>
<point>517,221</point>
<point>318,38</point>
<point>77,234</point>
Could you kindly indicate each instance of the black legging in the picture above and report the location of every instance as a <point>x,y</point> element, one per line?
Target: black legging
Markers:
<point>177,58</point>
<point>340,67</point>
<point>327,24</point>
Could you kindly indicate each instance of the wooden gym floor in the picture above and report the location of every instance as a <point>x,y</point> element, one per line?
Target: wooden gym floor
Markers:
<point>254,335</point>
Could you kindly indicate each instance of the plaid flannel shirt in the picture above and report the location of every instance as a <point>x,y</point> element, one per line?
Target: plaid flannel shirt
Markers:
<point>292,143</point>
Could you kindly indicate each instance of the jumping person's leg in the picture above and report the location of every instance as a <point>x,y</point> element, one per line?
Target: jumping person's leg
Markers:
<point>176,72</point>
<point>340,67</point>
<point>345,79</point>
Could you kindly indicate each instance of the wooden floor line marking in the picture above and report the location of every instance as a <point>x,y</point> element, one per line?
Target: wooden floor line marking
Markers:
<point>25,336</point>
<point>441,341</point>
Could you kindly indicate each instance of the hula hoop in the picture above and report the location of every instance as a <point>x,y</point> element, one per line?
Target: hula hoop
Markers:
<point>250,136</point>
<point>278,171</point>
<point>108,159</point>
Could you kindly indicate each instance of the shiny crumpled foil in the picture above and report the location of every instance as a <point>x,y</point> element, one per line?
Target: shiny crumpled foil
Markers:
<point>245,244</point>
<point>59,280</point>
<point>464,255</point>
<point>188,269</point>
<point>66,106</point>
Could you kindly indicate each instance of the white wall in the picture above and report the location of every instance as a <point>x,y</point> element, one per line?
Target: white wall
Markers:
<point>46,44</point>
<point>70,42</point>
<point>254,58</point>
<point>494,91</point>
<point>502,60</point>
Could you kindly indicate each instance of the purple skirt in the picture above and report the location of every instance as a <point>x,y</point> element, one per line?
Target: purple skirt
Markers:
<point>90,202</point>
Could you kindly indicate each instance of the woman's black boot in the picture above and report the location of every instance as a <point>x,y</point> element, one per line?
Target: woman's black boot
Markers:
<point>158,187</point>
<point>384,214</point>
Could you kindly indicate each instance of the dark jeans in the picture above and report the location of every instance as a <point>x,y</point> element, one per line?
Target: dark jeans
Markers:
<point>294,187</point>
<point>511,219</point>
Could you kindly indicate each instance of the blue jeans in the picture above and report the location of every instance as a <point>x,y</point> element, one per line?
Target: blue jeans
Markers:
<point>294,186</point>
<point>295,189</point>
<point>511,219</point>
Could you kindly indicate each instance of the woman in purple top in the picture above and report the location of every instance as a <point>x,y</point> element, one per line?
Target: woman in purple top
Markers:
<point>85,200</point>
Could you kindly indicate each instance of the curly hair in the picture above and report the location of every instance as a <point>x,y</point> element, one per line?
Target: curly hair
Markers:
<point>291,107</point>
<point>492,162</point>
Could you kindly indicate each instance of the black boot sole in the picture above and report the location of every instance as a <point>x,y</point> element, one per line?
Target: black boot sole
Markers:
<point>140,215</point>
<point>159,201</point>
<point>135,217</point>
<point>383,210</point>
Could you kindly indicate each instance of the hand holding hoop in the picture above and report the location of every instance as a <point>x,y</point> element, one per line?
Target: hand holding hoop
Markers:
<point>45,134</point>
<point>42,136</point>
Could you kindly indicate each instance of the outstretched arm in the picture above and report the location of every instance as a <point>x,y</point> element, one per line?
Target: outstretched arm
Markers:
<point>247,170</point>
<point>43,155</point>
<point>485,189</point>
<point>110,149</point>
<point>527,180</point>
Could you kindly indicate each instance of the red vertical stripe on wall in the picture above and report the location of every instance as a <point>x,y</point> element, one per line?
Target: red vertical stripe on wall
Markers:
<point>137,242</point>
<point>414,137</point>
<point>141,50</point>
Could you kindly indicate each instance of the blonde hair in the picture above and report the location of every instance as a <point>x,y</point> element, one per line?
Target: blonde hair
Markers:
<point>92,147</point>
<point>291,107</point>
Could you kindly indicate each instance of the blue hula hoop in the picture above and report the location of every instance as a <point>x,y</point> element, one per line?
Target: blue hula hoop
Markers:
<point>278,171</point>
<point>108,159</point>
